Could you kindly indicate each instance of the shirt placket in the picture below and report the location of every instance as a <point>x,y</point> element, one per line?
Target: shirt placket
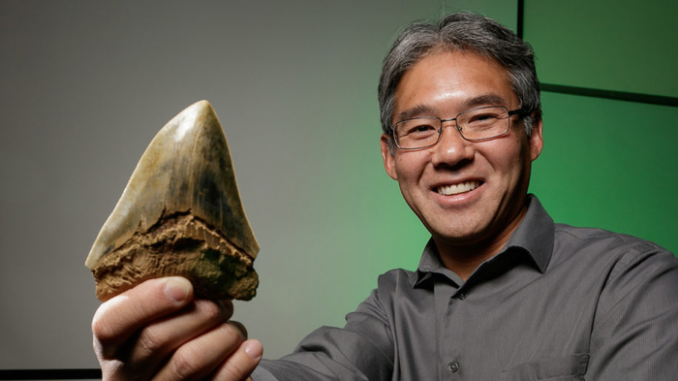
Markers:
<point>449,299</point>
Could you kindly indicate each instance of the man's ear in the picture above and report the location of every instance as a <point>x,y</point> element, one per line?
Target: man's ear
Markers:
<point>536,138</point>
<point>389,160</point>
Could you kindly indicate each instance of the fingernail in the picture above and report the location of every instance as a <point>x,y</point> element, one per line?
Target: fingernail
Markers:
<point>177,288</point>
<point>254,349</point>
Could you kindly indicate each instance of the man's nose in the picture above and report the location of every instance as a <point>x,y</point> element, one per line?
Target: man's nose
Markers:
<point>452,148</point>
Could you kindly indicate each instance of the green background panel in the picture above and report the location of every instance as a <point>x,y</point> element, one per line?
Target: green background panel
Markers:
<point>625,46</point>
<point>610,164</point>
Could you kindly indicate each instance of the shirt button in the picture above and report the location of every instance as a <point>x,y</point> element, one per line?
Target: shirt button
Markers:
<point>462,296</point>
<point>453,366</point>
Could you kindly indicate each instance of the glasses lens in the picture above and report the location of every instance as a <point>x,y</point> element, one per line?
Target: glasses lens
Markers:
<point>483,123</point>
<point>417,132</point>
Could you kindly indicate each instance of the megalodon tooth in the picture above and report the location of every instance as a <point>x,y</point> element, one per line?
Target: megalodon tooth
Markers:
<point>180,214</point>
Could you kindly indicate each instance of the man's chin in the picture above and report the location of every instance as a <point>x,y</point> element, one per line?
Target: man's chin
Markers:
<point>462,236</point>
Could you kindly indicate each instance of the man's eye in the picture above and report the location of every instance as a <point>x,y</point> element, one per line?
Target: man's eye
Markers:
<point>483,118</point>
<point>421,129</point>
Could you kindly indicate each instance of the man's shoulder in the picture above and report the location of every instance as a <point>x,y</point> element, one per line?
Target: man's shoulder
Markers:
<point>592,247</point>
<point>395,278</point>
<point>601,240</point>
<point>396,284</point>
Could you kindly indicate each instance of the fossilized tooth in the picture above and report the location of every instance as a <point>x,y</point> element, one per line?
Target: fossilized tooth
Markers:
<point>180,214</point>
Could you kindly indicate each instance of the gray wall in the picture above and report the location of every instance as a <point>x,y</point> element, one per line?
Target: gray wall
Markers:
<point>85,85</point>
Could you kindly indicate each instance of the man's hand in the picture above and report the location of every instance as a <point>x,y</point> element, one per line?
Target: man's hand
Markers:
<point>157,331</point>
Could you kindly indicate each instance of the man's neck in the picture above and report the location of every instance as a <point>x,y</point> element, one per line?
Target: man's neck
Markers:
<point>463,260</point>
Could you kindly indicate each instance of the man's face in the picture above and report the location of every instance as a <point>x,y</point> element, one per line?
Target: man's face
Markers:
<point>465,193</point>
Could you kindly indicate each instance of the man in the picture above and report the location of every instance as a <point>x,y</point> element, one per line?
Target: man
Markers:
<point>501,292</point>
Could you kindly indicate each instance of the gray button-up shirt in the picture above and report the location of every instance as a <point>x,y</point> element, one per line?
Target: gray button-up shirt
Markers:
<point>557,303</point>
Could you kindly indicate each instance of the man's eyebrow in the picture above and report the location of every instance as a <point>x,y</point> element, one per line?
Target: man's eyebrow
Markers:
<point>484,100</point>
<point>415,111</point>
<point>490,99</point>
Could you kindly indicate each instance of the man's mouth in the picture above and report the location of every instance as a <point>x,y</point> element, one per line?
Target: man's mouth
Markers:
<point>448,190</point>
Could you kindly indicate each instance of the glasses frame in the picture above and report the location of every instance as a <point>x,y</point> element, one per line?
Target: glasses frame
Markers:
<point>518,111</point>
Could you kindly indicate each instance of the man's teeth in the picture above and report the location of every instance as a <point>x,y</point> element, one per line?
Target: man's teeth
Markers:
<point>458,188</point>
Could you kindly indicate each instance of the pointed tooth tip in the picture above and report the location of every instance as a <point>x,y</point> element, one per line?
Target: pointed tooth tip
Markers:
<point>199,116</point>
<point>196,111</point>
<point>201,107</point>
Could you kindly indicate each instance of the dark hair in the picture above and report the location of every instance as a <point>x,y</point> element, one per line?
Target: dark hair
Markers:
<point>461,31</point>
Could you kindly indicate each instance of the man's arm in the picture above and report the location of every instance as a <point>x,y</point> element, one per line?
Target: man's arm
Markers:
<point>362,350</point>
<point>635,336</point>
<point>157,331</point>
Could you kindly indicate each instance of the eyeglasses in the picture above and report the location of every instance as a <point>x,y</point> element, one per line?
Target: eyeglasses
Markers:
<point>474,125</point>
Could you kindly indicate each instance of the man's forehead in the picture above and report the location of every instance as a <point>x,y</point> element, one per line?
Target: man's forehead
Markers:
<point>465,77</point>
<point>454,60</point>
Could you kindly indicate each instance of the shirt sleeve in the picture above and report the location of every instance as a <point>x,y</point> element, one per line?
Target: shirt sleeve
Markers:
<point>362,350</point>
<point>635,336</point>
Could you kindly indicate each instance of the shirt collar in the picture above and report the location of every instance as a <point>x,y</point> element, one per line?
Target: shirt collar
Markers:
<point>534,235</point>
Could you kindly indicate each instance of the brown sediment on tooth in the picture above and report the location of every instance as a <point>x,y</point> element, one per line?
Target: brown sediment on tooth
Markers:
<point>180,214</point>
<point>217,268</point>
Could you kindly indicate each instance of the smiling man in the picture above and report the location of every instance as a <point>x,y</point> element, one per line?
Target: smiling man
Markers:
<point>462,159</point>
<point>501,291</point>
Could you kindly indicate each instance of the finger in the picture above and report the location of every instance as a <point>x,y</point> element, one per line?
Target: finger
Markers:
<point>228,306</point>
<point>243,330</point>
<point>121,317</point>
<point>158,340</point>
<point>202,355</point>
<point>242,363</point>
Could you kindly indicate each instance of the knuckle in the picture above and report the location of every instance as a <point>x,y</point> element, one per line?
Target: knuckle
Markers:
<point>102,331</point>
<point>209,310</point>
<point>150,341</point>
<point>114,370</point>
<point>235,370</point>
<point>183,363</point>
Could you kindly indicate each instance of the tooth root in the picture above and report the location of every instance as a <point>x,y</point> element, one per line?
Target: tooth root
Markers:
<point>180,214</point>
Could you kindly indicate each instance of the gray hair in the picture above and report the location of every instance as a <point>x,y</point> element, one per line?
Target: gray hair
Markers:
<point>461,31</point>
